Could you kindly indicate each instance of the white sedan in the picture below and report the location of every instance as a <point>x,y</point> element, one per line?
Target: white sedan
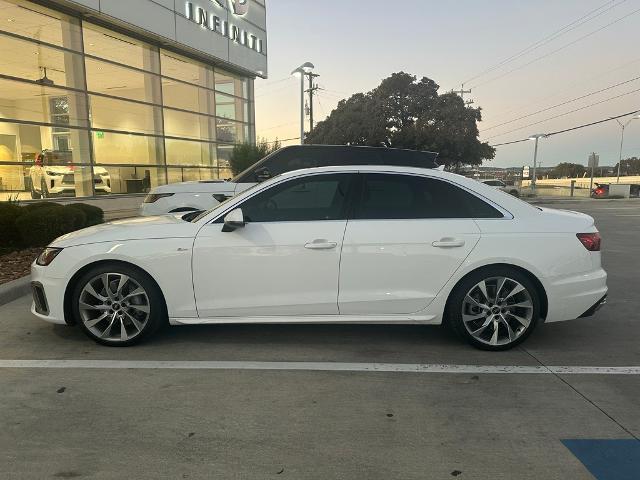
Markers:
<point>365,244</point>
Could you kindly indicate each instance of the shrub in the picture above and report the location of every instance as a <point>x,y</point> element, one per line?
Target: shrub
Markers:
<point>40,226</point>
<point>94,214</point>
<point>38,205</point>
<point>9,213</point>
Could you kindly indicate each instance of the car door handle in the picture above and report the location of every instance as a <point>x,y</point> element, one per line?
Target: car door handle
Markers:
<point>448,243</point>
<point>320,244</point>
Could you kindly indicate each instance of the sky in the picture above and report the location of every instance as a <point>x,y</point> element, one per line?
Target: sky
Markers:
<point>581,47</point>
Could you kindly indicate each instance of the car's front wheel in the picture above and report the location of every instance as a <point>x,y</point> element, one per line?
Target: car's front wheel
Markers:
<point>118,305</point>
<point>495,308</point>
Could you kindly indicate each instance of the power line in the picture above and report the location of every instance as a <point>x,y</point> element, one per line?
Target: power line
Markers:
<point>566,113</point>
<point>567,45</point>
<point>582,81</point>
<point>561,104</point>
<point>558,33</point>
<point>558,132</point>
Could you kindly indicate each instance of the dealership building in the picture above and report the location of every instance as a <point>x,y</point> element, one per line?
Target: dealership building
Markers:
<point>108,98</point>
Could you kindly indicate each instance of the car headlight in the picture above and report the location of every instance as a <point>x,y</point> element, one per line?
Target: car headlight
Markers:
<point>47,256</point>
<point>154,197</point>
<point>52,174</point>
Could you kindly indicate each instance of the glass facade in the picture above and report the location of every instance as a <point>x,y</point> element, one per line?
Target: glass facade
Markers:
<point>88,111</point>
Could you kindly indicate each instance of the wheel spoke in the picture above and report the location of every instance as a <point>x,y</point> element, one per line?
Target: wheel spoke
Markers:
<point>107,330</point>
<point>484,326</point>
<point>471,318</point>
<point>499,287</point>
<point>123,331</point>
<point>472,300</point>
<point>107,288</point>
<point>494,337</point>
<point>135,321</point>
<point>483,288</point>
<point>142,308</point>
<point>512,335</point>
<point>95,321</point>
<point>517,289</point>
<point>123,280</point>
<point>91,291</point>
<point>525,304</point>
<point>136,292</point>
<point>523,321</point>
<point>86,306</point>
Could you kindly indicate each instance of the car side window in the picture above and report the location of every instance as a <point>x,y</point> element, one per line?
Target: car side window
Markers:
<point>396,196</point>
<point>312,198</point>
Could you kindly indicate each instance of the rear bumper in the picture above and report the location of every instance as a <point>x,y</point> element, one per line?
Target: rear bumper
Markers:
<point>595,307</point>
<point>574,296</point>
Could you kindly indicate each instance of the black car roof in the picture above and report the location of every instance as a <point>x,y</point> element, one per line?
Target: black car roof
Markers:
<point>376,155</point>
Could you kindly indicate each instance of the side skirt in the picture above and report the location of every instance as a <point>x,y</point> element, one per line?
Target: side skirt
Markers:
<point>344,319</point>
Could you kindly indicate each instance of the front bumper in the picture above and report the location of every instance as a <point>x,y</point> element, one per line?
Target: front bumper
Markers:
<point>48,296</point>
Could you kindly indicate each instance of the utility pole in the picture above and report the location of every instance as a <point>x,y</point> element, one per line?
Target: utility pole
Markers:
<point>312,88</point>
<point>461,92</point>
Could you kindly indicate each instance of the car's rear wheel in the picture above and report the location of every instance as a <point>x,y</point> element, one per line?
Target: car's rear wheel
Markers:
<point>118,305</point>
<point>494,308</point>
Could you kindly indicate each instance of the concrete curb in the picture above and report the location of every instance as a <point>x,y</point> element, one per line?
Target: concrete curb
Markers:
<point>15,289</point>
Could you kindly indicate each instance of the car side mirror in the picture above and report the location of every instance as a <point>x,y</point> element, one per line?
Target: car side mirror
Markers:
<point>233,220</point>
<point>262,174</point>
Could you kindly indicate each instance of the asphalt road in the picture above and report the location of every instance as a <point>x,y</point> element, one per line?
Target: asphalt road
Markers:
<point>243,423</point>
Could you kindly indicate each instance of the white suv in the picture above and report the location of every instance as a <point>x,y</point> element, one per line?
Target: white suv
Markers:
<point>49,180</point>
<point>500,185</point>
<point>206,194</point>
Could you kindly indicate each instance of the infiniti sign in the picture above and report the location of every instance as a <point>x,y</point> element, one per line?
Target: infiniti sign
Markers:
<point>215,23</point>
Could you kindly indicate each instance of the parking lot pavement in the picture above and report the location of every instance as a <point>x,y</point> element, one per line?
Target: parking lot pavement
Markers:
<point>312,424</point>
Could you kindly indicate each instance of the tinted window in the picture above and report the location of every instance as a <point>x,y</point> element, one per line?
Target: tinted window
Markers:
<point>386,196</point>
<point>289,160</point>
<point>318,197</point>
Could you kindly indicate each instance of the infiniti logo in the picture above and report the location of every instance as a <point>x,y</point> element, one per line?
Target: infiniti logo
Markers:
<point>238,7</point>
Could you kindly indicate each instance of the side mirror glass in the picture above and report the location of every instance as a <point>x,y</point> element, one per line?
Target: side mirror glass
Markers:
<point>233,220</point>
<point>262,174</point>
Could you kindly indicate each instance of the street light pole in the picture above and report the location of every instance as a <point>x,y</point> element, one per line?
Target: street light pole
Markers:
<point>622,127</point>
<point>535,137</point>
<point>302,70</point>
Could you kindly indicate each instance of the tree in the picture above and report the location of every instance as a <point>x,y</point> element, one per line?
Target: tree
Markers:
<point>569,170</point>
<point>629,166</point>
<point>246,154</point>
<point>403,112</point>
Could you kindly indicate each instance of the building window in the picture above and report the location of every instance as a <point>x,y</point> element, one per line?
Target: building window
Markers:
<point>86,111</point>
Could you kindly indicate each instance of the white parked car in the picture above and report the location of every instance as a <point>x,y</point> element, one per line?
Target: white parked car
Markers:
<point>49,180</point>
<point>206,194</point>
<point>404,245</point>
<point>500,185</point>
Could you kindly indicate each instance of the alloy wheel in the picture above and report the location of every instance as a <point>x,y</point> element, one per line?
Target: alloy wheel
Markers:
<point>114,307</point>
<point>497,311</point>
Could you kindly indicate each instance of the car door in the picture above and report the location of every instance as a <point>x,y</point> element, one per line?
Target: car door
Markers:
<point>284,261</point>
<point>408,236</point>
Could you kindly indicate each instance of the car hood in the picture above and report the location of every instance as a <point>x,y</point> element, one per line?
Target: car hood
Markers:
<point>208,186</point>
<point>138,228</point>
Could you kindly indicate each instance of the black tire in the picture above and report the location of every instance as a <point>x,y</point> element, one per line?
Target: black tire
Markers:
<point>455,305</point>
<point>157,316</point>
<point>515,193</point>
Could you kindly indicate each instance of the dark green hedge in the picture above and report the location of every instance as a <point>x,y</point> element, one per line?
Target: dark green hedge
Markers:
<point>38,224</point>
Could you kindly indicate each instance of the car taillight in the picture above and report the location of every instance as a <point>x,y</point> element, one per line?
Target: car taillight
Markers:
<point>591,241</point>
<point>599,191</point>
<point>154,197</point>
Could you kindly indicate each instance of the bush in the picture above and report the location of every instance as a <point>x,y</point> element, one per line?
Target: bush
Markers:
<point>9,213</point>
<point>94,214</point>
<point>40,226</point>
<point>38,205</point>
